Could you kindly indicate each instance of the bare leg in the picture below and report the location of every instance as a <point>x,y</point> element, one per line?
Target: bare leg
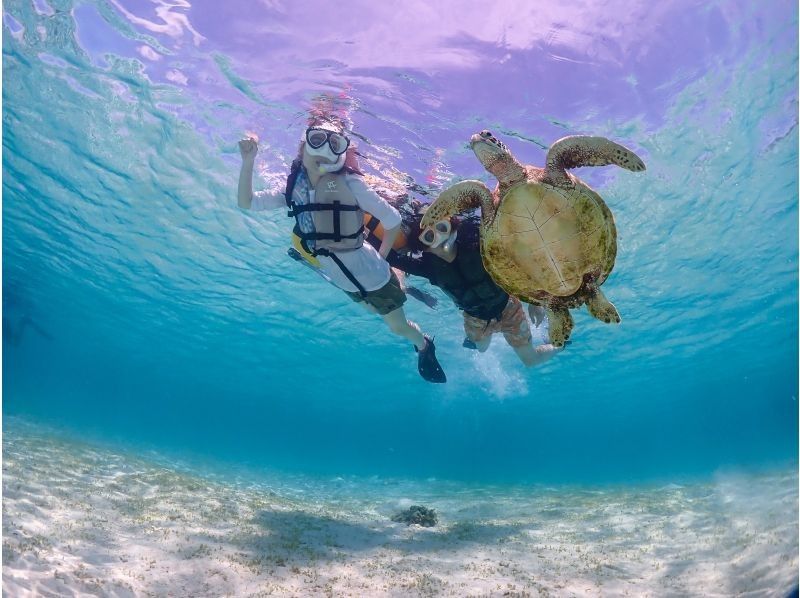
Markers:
<point>368,307</point>
<point>476,332</point>
<point>531,356</point>
<point>483,344</point>
<point>398,323</point>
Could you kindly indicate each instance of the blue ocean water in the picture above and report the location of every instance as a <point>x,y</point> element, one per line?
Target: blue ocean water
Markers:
<point>141,305</point>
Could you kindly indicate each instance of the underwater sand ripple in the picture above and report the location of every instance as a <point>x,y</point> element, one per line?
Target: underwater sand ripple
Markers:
<point>79,519</point>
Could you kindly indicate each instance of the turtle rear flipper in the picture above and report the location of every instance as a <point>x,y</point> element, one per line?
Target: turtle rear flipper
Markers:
<point>561,323</point>
<point>582,150</point>
<point>602,309</point>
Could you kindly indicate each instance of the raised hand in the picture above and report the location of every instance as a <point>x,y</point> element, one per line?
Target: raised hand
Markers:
<point>248,148</point>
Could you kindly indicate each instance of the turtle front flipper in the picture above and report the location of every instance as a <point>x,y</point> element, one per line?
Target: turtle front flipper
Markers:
<point>602,309</point>
<point>583,150</point>
<point>561,323</point>
<point>463,196</point>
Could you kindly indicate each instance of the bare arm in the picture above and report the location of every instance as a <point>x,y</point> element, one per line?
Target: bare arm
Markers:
<point>377,206</point>
<point>533,356</point>
<point>248,148</point>
<point>247,199</point>
<point>389,236</point>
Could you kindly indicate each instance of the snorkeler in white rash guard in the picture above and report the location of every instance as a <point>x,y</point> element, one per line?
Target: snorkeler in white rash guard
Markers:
<point>328,199</point>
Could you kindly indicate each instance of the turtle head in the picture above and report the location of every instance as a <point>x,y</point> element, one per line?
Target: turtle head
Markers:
<point>496,157</point>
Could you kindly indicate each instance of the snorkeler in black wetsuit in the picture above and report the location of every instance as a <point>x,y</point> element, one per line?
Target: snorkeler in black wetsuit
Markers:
<point>455,267</point>
<point>449,257</point>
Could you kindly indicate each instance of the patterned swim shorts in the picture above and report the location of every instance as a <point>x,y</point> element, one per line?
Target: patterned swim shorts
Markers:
<point>512,323</point>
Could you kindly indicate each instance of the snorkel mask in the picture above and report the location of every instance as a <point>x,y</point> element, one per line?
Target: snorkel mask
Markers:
<point>441,234</point>
<point>327,146</point>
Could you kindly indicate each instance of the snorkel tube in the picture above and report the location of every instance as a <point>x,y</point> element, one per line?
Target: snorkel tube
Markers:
<point>323,158</point>
<point>451,240</point>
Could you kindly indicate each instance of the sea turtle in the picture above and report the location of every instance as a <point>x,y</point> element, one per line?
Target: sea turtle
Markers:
<point>546,237</point>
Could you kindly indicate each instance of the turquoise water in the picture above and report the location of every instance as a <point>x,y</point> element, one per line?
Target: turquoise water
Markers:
<point>166,317</point>
<point>187,411</point>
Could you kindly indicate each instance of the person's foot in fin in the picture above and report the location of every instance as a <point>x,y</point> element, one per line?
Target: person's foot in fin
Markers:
<point>427,363</point>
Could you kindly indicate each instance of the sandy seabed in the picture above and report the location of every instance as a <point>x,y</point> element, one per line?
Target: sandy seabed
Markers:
<point>82,519</point>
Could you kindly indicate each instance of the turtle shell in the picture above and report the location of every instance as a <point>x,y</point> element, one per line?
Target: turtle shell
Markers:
<point>544,240</point>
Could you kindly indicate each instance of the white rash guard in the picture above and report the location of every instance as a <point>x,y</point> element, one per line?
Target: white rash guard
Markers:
<point>365,263</point>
